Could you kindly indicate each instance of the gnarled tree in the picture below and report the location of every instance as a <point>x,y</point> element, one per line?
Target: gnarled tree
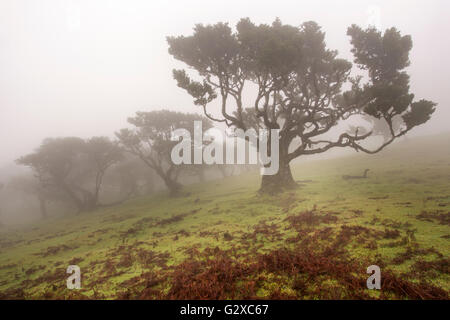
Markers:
<point>74,166</point>
<point>151,141</point>
<point>295,84</point>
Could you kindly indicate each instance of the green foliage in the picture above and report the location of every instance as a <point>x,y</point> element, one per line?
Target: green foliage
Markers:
<point>385,56</point>
<point>419,113</point>
<point>300,82</point>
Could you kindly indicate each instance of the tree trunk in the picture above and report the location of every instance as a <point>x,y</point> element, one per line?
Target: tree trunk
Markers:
<point>170,181</point>
<point>89,201</point>
<point>282,180</point>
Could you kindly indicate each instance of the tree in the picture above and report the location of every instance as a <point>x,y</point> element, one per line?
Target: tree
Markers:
<point>74,166</point>
<point>151,141</point>
<point>101,154</point>
<point>299,85</point>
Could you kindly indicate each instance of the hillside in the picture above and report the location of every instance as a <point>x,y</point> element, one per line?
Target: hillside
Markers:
<point>222,240</point>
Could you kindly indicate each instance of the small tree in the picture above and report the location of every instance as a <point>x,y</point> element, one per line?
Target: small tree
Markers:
<point>151,141</point>
<point>299,85</point>
<point>74,166</point>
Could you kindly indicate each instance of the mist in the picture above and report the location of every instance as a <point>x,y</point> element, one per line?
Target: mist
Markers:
<point>80,68</point>
<point>220,150</point>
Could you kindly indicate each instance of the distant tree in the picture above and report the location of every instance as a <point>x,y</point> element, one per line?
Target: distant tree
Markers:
<point>74,166</point>
<point>299,85</point>
<point>101,154</point>
<point>151,141</point>
<point>132,178</point>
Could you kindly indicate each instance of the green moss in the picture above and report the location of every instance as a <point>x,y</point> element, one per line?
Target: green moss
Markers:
<point>402,183</point>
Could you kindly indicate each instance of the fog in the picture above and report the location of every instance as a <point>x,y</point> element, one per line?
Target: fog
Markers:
<point>80,68</point>
<point>154,154</point>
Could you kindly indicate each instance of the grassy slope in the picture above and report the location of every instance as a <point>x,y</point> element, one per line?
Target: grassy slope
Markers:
<point>135,250</point>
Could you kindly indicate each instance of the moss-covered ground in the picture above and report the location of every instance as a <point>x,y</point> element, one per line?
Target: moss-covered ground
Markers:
<point>221,239</point>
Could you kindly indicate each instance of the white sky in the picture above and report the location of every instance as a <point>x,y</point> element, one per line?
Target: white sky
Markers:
<point>80,68</point>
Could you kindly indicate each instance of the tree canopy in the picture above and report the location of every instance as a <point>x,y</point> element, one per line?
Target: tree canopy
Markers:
<point>151,141</point>
<point>300,84</point>
<point>75,166</point>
